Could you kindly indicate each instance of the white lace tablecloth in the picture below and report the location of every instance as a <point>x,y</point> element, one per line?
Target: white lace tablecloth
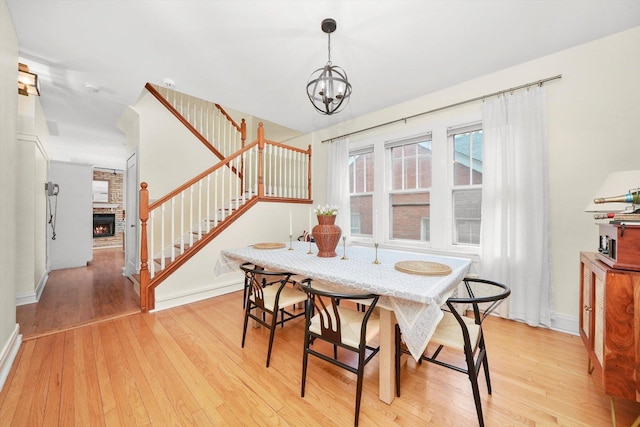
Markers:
<point>415,299</point>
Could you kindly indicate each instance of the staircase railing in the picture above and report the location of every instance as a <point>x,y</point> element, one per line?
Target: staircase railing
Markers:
<point>208,121</point>
<point>177,225</point>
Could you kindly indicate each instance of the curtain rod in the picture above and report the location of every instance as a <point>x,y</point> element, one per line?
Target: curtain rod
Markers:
<point>477,98</point>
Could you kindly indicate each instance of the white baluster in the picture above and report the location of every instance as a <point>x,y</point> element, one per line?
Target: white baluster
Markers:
<point>230,172</point>
<point>296,175</point>
<point>243,191</point>
<point>151,262</point>
<point>236,179</point>
<point>191,215</point>
<point>173,228</point>
<point>162,245</point>
<point>199,209</point>
<point>215,198</point>
<point>266,161</point>
<point>222,200</point>
<point>280,185</point>
<point>208,215</point>
<point>287,173</point>
<point>181,223</point>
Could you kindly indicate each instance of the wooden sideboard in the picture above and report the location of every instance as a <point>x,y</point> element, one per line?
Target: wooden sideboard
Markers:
<point>610,325</point>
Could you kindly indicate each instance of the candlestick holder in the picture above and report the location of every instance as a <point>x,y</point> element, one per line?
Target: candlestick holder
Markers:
<point>375,261</point>
<point>290,244</point>
<point>344,248</point>
<point>310,251</point>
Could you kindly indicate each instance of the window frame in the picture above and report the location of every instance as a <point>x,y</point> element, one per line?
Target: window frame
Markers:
<point>355,152</point>
<point>389,192</point>
<point>441,218</point>
<point>451,132</point>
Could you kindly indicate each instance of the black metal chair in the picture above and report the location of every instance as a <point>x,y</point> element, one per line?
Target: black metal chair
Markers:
<point>459,331</point>
<point>267,292</point>
<point>343,327</point>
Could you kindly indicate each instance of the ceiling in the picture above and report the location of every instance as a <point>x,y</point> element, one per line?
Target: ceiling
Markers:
<point>94,57</point>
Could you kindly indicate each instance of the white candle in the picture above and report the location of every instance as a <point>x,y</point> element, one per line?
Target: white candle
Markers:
<point>290,224</point>
<point>376,223</point>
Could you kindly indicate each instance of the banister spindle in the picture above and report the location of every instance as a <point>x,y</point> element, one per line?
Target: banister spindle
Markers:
<point>181,222</point>
<point>191,215</point>
<point>208,215</point>
<point>173,229</point>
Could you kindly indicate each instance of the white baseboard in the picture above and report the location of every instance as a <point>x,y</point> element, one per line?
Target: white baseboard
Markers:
<point>8,354</point>
<point>33,297</point>
<point>198,295</point>
<point>565,323</point>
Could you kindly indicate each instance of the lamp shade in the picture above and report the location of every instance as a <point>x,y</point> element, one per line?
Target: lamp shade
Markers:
<point>616,184</point>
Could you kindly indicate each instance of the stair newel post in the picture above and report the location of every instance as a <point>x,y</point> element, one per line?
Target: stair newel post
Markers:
<point>145,303</point>
<point>260,160</point>
<point>309,174</point>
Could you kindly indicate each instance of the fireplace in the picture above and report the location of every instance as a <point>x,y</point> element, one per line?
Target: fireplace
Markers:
<point>104,225</point>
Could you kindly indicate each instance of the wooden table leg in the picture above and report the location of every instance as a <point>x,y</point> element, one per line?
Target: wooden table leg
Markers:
<point>387,381</point>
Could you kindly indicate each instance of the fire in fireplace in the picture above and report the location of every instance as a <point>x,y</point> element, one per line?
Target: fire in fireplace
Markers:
<point>104,225</point>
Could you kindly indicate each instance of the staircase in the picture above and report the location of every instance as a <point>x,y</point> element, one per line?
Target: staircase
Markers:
<point>179,224</point>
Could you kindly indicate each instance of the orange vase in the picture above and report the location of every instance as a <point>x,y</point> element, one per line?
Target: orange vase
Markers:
<point>327,235</point>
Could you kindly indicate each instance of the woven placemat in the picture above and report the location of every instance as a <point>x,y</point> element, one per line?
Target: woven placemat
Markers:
<point>269,245</point>
<point>425,268</point>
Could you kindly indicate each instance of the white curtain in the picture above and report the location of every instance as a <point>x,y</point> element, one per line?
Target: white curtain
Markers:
<point>338,183</point>
<point>515,213</point>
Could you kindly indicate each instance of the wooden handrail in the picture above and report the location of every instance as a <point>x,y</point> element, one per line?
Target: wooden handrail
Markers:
<point>200,176</point>
<point>239,128</point>
<point>194,131</point>
<point>288,147</point>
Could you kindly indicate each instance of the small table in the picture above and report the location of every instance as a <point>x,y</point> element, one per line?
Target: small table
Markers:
<point>413,300</point>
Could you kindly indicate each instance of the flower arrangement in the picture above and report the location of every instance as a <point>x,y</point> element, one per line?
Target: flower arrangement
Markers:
<point>326,210</point>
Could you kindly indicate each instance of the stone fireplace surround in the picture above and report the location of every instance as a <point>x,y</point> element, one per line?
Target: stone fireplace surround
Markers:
<point>114,205</point>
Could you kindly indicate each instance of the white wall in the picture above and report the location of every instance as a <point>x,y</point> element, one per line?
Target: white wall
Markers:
<point>265,222</point>
<point>168,154</point>
<point>73,243</point>
<point>592,112</point>
<point>9,336</point>
<point>31,201</point>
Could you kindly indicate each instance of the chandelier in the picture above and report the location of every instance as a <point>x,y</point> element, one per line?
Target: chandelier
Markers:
<point>328,88</point>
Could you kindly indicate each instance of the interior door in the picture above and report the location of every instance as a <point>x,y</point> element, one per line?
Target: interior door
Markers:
<point>132,253</point>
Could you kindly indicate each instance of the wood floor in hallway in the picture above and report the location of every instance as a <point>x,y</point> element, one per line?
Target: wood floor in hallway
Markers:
<point>79,296</point>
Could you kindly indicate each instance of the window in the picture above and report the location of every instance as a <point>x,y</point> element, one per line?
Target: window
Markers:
<point>409,196</point>
<point>466,192</point>
<point>361,178</point>
<point>428,186</point>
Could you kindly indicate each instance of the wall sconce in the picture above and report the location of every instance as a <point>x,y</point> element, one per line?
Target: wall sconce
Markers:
<point>27,81</point>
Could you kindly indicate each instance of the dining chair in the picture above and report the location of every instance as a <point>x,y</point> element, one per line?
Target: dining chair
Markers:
<point>341,326</point>
<point>268,292</point>
<point>461,329</point>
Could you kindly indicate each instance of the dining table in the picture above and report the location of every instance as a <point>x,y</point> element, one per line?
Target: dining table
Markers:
<point>412,287</point>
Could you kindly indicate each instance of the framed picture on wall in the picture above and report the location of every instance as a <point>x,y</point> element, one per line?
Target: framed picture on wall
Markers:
<point>100,191</point>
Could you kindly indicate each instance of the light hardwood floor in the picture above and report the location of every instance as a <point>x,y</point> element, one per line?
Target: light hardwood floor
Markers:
<point>77,296</point>
<point>184,366</point>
